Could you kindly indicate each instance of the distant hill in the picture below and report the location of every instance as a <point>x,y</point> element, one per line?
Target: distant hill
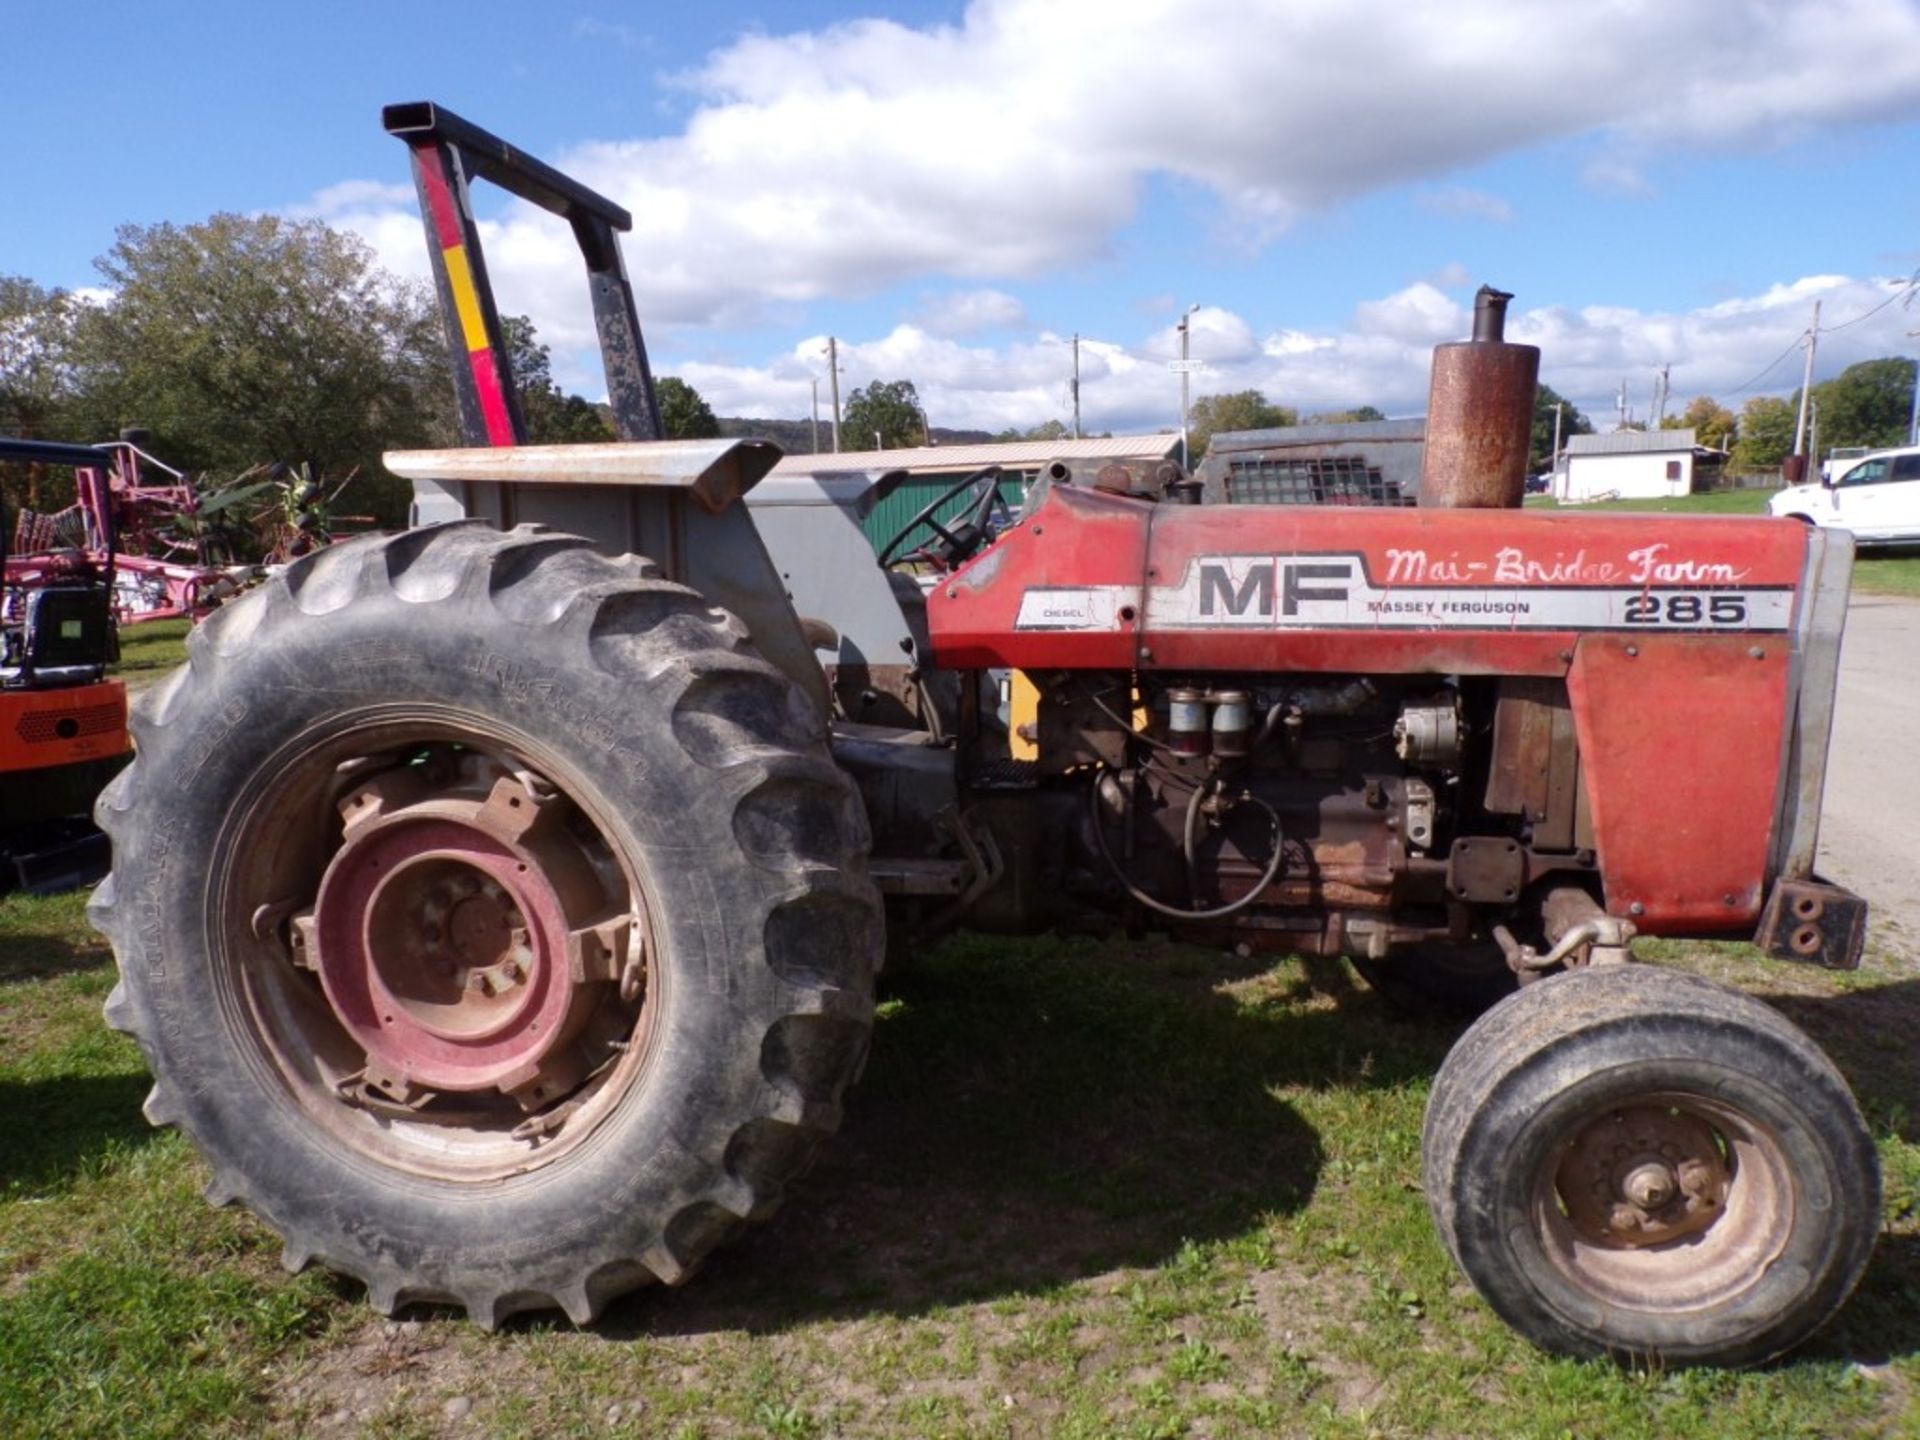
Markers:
<point>795,437</point>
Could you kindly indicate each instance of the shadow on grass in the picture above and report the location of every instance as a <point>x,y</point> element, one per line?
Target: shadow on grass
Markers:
<point>1037,1113</point>
<point>1881,1323</point>
<point>43,956</point>
<point>55,1130</point>
<point>1870,1035</point>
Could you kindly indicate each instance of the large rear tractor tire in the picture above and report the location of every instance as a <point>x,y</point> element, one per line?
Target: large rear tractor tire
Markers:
<point>491,917</point>
<point>1640,1163</point>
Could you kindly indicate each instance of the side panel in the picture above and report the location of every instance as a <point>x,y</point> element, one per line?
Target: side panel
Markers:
<point>1061,590</point>
<point>1679,739</point>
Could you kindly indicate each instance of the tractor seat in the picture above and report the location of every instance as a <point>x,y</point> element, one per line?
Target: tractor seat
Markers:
<point>65,638</point>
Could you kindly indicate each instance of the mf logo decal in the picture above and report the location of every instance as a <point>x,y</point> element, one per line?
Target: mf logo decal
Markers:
<point>1234,589</point>
<point>1320,592</point>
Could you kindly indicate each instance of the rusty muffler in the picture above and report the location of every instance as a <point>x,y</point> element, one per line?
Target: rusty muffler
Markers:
<point>1480,415</point>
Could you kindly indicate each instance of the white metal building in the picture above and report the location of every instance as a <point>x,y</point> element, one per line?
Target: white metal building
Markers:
<point>1627,465</point>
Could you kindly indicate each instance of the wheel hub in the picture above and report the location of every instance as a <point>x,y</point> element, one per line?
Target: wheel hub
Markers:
<point>450,945</point>
<point>1644,1176</point>
<point>461,935</point>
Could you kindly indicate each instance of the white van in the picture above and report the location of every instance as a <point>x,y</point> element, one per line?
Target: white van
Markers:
<point>1876,496</point>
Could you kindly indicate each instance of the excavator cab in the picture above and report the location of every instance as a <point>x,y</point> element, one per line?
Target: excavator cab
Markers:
<point>63,723</point>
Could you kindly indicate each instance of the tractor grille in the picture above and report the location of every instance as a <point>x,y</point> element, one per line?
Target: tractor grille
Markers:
<point>41,727</point>
<point>1266,479</point>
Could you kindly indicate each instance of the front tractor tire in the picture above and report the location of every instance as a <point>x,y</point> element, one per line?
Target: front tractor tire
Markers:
<point>1640,1163</point>
<point>494,921</point>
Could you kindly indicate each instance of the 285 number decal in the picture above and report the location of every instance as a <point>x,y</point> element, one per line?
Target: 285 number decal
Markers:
<point>1687,610</point>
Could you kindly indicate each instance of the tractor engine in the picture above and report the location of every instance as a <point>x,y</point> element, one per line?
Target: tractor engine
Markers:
<point>1315,811</point>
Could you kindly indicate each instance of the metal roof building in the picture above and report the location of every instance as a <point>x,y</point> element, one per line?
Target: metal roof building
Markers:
<point>1630,442</point>
<point>1024,455</point>
<point>1629,464</point>
<point>905,480</point>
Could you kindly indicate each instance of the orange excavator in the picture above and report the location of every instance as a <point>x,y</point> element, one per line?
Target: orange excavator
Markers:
<point>63,723</point>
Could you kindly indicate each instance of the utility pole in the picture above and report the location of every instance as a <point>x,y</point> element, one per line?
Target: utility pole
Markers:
<point>1186,453</point>
<point>1076,385</point>
<point>1660,401</point>
<point>1806,384</point>
<point>1621,413</point>
<point>816,414</point>
<point>1553,461</point>
<point>833,378</point>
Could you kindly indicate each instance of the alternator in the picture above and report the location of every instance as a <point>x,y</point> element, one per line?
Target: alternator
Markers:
<point>1427,734</point>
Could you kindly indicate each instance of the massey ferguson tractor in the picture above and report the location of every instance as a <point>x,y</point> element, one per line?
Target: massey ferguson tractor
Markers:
<point>498,903</point>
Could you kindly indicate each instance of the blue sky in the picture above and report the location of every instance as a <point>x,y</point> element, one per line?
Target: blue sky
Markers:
<point>953,189</point>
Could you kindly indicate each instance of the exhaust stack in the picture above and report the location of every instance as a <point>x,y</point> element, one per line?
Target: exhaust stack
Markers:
<point>1480,415</point>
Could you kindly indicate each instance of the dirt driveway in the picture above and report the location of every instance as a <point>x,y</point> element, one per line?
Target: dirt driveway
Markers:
<point>1870,834</point>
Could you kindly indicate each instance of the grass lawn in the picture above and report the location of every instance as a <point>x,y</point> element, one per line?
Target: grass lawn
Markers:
<point>149,650</point>
<point>1887,575</point>
<point>1714,502</point>
<point>1873,573</point>
<point>1086,1189</point>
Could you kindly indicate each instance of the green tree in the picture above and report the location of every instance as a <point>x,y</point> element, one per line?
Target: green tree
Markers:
<point>683,413</point>
<point>1046,430</point>
<point>36,385</point>
<point>36,356</point>
<point>1213,415</point>
<point>1713,425</point>
<point>888,410</point>
<point>1359,415</point>
<point>1546,400</point>
<point>1870,403</point>
<point>552,416</point>
<point>250,339</point>
<point>1765,434</point>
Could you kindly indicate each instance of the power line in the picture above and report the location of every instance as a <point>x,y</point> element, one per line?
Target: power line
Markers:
<point>1903,293</point>
<point>1792,345</point>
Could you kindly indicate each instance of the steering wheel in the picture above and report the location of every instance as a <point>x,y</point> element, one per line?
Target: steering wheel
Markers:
<point>959,537</point>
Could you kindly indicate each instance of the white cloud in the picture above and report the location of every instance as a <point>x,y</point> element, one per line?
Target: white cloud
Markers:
<point>842,161</point>
<point>1461,203</point>
<point>353,198</point>
<point>969,312</point>
<point>1611,175</point>
<point>1382,358</point>
<point>1420,313</point>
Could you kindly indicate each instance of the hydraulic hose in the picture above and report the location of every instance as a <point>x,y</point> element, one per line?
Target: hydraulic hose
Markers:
<point>1219,912</point>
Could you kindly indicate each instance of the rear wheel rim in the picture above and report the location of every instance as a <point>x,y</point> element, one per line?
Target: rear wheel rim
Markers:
<point>447,987</point>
